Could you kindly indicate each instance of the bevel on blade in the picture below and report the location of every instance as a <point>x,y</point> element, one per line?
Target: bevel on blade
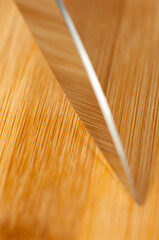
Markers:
<point>101,99</point>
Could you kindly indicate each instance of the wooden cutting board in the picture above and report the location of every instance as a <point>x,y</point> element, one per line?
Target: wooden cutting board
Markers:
<point>55,183</point>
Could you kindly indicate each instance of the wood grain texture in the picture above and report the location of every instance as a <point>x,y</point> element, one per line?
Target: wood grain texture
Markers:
<point>54,184</point>
<point>46,154</point>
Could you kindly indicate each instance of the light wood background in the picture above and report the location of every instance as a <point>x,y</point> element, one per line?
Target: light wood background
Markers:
<point>55,183</point>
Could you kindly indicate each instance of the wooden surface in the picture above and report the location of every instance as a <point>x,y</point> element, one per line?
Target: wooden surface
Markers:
<point>122,40</point>
<point>54,184</point>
